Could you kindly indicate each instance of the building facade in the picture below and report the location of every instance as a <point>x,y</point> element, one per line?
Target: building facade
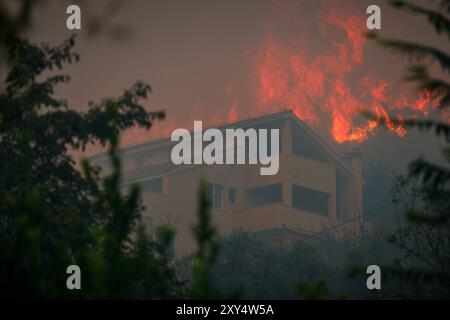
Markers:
<point>314,189</point>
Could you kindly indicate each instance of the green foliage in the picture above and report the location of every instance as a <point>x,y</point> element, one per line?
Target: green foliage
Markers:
<point>24,270</point>
<point>28,106</point>
<point>314,291</point>
<point>424,239</point>
<point>50,215</point>
<point>207,250</point>
<point>255,268</point>
<point>424,195</point>
<point>439,21</point>
<point>124,262</point>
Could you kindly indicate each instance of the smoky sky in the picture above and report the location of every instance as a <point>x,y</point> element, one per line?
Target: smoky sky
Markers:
<point>200,58</point>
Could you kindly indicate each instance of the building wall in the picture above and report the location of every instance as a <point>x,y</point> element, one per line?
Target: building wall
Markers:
<point>175,202</point>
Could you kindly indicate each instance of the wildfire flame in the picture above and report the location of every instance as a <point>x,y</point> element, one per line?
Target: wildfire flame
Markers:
<point>316,88</point>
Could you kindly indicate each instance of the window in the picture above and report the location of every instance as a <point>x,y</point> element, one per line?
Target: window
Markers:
<point>310,200</point>
<point>215,195</point>
<point>153,185</point>
<point>232,193</point>
<point>264,195</point>
<point>302,147</point>
<point>142,160</point>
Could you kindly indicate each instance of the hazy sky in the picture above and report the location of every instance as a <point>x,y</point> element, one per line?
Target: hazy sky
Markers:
<point>203,59</point>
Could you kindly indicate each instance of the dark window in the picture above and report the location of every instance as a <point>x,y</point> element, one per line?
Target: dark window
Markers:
<point>232,195</point>
<point>310,200</point>
<point>215,195</point>
<point>264,195</point>
<point>142,160</point>
<point>301,146</point>
<point>154,185</point>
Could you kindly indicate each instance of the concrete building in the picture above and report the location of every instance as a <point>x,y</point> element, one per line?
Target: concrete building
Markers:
<point>315,188</point>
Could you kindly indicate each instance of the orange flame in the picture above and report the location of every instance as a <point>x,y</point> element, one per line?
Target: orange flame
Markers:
<point>316,87</point>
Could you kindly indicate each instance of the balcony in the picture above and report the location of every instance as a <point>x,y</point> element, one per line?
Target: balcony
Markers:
<point>276,215</point>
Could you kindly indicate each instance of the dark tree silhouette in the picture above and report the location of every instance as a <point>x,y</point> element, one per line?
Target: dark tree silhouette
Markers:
<point>424,194</point>
<point>52,216</point>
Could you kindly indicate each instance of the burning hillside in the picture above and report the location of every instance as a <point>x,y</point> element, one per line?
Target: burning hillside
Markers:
<point>316,86</point>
